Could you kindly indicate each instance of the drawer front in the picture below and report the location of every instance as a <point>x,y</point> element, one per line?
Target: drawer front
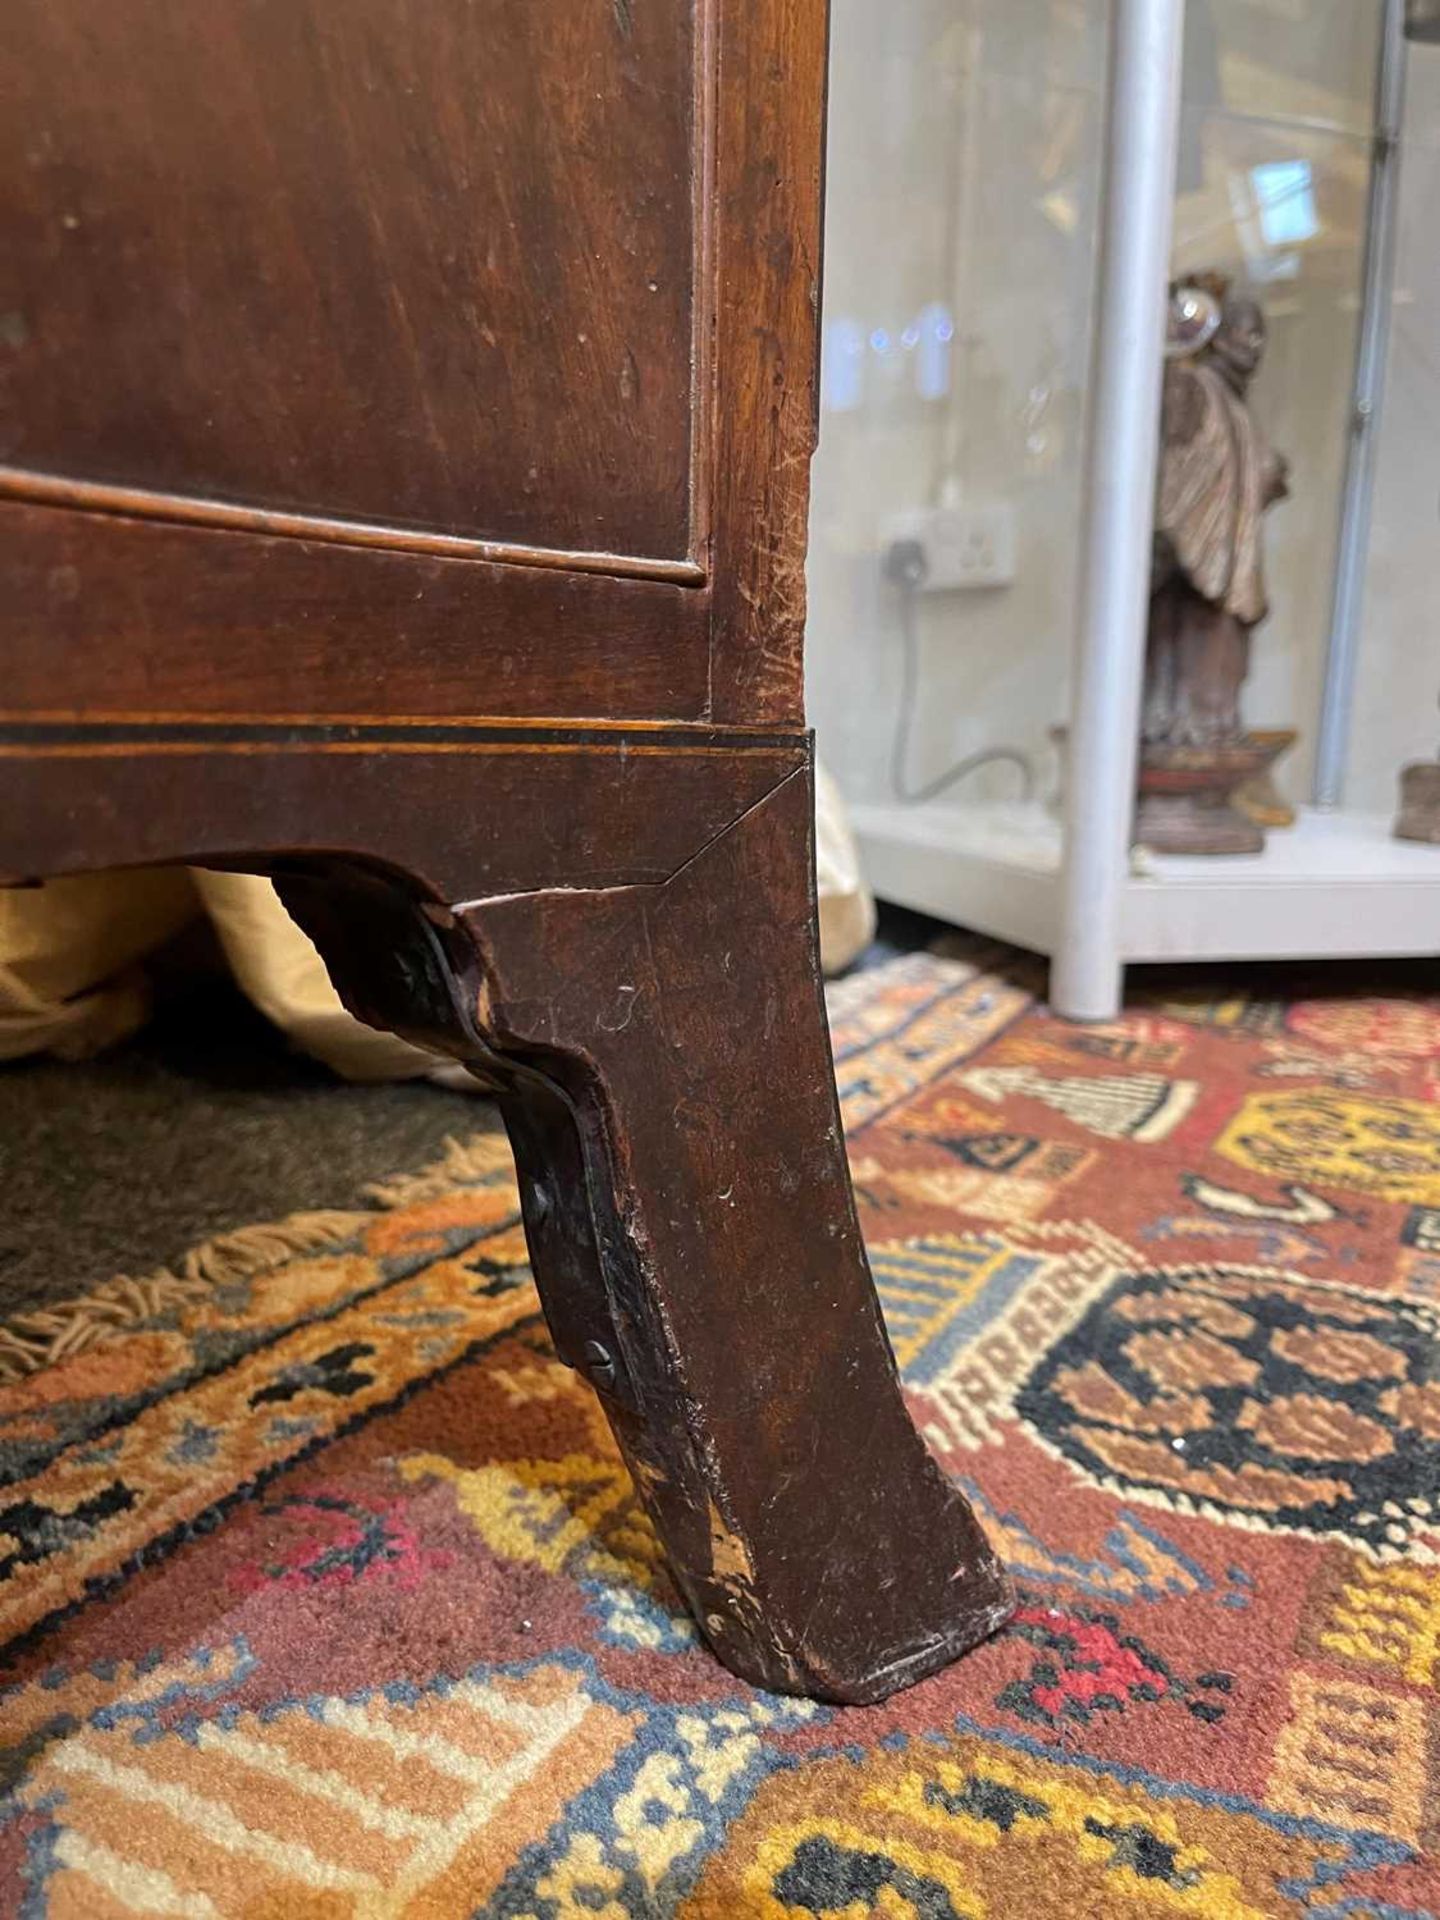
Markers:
<point>424,265</point>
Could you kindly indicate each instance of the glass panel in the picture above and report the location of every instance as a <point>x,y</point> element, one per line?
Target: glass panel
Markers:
<point>965,149</point>
<point>1309,60</point>
<point>1395,702</point>
<point>963,177</point>
<point>1280,209</point>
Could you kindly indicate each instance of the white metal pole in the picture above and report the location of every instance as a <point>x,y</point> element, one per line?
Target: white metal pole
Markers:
<point>1142,132</point>
<point>1332,739</point>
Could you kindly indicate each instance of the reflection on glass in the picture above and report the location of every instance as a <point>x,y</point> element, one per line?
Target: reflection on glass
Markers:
<point>963,177</point>
<point>964,170</point>
<point>1285,202</point>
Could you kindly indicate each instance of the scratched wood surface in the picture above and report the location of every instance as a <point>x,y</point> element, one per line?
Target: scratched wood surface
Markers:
<point>452,359</point>
<point>277,251</point>
<point>662,1061</point>
<point>146,617</point>
<point>462,811</point>
<point>406,409</point>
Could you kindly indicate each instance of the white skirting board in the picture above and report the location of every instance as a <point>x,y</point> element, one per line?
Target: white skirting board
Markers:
<point>1335,885</point>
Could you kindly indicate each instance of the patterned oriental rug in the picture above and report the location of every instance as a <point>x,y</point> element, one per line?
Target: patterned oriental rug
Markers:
<point>324,1593</point>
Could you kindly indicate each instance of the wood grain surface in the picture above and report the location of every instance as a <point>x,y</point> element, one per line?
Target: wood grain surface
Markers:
<point>423,262</point>
<point>523,300</point>
<point>406,409</point>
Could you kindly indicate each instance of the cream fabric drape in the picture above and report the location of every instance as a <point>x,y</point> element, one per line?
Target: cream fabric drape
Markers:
<point>70,980</point>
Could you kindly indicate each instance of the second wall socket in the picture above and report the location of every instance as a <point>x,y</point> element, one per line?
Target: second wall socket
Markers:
<point>965,547</point>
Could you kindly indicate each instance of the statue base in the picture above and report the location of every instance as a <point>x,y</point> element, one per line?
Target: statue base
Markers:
<point>1187,794</point>
<point>1419,815</point>
<point>1260,799</point>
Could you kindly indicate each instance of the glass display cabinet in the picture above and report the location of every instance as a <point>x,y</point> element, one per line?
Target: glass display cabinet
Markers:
<point>981,552</point>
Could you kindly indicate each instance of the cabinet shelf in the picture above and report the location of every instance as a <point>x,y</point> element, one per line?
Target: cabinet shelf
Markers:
<point>1335,885</point>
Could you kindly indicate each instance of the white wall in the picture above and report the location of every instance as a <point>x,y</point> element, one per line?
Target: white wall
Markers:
<point>963,167</point>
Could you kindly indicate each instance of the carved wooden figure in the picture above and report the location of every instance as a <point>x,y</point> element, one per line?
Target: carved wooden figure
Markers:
<point>1217,477</point>
<point>408,417</point>
<point>1418,817</point>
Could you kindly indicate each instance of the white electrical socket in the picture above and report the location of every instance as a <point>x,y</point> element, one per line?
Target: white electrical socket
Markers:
<point>964,547</point>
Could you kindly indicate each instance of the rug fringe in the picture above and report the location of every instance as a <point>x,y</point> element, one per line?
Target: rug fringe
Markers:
<point>41,1336</point>
<point>475,1158</point>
